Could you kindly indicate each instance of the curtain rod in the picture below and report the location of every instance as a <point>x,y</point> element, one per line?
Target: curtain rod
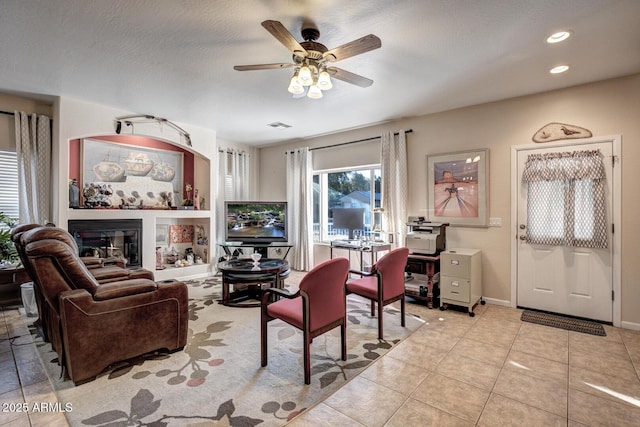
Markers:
<point>8,113</point>
<point>242,153</point>
<point>355,142</point>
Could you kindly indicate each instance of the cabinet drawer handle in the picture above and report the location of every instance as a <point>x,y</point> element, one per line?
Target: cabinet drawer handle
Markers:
<point>454,284</point>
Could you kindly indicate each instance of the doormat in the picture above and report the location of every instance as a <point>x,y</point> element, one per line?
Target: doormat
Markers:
<point>562,322</point>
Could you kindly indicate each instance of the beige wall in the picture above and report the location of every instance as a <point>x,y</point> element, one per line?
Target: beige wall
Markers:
<point>11,103</point>
<point>606,108</point>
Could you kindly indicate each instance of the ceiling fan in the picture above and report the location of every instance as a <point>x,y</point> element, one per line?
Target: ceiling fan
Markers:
<point>312,60</point>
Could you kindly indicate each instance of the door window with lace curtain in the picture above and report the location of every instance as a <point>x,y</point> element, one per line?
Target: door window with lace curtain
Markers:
<point>566,202</point>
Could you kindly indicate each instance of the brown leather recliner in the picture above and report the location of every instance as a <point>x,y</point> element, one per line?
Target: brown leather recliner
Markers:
<point>92,325</point>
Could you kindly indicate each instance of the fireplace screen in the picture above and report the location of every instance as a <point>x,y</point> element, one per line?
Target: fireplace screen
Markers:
<point>121,238</point>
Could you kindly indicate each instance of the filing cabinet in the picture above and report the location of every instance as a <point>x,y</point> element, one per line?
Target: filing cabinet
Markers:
<point>461,278</point>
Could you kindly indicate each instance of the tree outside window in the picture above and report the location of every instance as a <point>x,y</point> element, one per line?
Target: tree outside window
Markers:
<point>359,188</point>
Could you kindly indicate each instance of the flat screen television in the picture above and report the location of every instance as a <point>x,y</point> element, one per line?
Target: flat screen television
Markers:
<point>348,219</point>
<point>256,222</point>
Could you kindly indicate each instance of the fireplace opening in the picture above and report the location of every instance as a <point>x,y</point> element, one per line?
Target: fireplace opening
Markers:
<point>106,238</point>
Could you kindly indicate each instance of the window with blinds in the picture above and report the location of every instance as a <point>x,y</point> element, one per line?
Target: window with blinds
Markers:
<point>9,183</point>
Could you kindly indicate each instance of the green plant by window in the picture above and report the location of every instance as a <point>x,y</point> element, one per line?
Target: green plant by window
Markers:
<point>8,251</point>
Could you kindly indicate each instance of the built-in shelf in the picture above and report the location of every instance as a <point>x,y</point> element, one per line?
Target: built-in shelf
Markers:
<point>192,271</point>
<point>198,173</point>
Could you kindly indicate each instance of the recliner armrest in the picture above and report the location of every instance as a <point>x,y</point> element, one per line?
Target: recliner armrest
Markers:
<point>91,261</point>
<point>112,290</point>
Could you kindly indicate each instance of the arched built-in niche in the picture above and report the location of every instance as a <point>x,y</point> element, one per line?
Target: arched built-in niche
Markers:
<point>158,220</point>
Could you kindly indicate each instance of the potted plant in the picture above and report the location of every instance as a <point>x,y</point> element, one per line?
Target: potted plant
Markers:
<point>8,252</point>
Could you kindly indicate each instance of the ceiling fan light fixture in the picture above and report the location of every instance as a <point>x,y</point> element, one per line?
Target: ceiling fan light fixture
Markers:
<point>324,80</point>
<point>314,92</point>
<point>295,87</point>
<point>305,76</point>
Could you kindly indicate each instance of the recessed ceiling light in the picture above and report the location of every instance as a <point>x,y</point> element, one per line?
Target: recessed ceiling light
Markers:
<point>559,69</point>
<point>558,37</point>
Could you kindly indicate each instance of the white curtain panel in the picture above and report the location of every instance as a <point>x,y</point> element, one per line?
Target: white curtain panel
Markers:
<point>33,152</point>
<point>300,206</point>
<point>393,156</point>
<point>233,183</point>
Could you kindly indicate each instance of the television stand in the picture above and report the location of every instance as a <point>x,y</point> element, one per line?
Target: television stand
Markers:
<point>267,250</point>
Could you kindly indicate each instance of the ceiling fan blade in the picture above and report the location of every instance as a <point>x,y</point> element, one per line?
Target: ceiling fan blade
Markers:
<point>283,35</point>
<point>356,47</point>
<point>262,66</point>
<point>349,77</point>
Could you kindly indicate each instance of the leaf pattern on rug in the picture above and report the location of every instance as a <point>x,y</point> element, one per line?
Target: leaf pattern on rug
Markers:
<point>273,407</point>
<point>206,384</point>
<point>199,358</point>
<point>143,406</point>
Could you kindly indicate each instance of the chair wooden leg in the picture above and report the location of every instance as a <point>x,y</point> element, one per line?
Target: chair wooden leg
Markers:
<point>380,311</point>
<point>343,335</point>
<point>263,339</point>
<point>307,358</point>
<point>402,311</point>
<point>373,308</point>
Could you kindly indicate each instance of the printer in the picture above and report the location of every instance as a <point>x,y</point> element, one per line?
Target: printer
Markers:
<point>425,237</point>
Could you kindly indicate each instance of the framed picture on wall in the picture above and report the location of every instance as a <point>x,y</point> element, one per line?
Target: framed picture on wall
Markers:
<point>162,235</point>
<point>133,175</point>
<point>458,188</point>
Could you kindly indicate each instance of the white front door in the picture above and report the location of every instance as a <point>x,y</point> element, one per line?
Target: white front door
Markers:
<point>562,279</point>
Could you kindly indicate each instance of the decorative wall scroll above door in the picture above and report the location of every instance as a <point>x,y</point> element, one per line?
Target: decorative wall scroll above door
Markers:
<point>556,131</point>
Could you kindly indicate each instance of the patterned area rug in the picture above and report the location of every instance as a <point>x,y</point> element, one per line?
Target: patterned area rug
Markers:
<point>562,322</point>
<point>217,379</point>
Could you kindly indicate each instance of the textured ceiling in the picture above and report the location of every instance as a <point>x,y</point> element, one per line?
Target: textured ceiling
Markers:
<point>175,58</point>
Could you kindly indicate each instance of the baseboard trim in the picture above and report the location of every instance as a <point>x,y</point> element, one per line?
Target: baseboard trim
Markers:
<point>495,301</point>
<point>630,325</point>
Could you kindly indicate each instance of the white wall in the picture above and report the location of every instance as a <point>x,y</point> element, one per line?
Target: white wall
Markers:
<point>606,108</point>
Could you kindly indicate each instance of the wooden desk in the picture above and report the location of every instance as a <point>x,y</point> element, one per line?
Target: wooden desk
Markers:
<point>248,277</point>
<point>367,247</point>
<point>10,281</point>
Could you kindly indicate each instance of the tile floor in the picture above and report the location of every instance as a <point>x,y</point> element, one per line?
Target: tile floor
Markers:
<point>489,370</point>
<point>492,370</point>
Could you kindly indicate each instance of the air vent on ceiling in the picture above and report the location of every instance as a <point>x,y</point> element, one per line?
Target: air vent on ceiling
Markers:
<point>279,125</point>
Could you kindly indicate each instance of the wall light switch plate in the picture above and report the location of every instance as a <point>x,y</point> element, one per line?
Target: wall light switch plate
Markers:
<point>495,222</point>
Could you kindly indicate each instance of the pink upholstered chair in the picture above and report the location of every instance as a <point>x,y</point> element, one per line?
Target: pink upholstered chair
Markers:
<point>318,307</point>
<point>383,285</point>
